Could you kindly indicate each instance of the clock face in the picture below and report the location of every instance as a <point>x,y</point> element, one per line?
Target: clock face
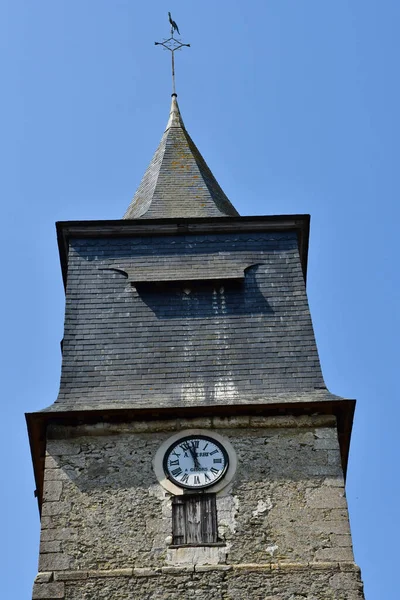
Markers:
<point>195,462</point>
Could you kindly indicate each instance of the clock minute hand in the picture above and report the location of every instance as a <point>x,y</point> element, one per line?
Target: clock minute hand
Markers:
<point>194,456</point>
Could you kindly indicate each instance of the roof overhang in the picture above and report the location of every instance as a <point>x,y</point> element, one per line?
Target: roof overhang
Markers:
<point>67,230</point>
<point>37,422</point>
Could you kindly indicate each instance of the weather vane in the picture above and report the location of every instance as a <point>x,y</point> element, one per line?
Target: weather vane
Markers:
<point>172,44</point>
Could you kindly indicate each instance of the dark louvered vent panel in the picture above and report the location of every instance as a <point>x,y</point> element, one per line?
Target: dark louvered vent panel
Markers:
<point>194,519</point>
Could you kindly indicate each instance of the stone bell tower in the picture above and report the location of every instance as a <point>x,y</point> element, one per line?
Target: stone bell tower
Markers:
<point>193,450</point>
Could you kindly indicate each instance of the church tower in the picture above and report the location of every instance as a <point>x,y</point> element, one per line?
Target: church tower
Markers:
<point>194,450</point>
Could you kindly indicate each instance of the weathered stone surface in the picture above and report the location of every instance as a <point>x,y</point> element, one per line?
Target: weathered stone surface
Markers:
<point>55,533</point>
<point>204,568</point>
<point>57,432</point>
<point>55,508</point>
<point>325,444</point>
<point>227,584</point>
<point>50,462</point>
<point>198,423</point>
<point>231,422</point>
<point>349,566</point>
<point>111,573</point>
<point>46,522</point>
<point>202,555</point>
<point>143,572</point>
<point>326,497</point>
<point>341,581</point>
<point>52,490</point>
<point>341,540</point>
<point>44,577</point>
<point>177,570</point>
<point>54,562</point>
<point>54,546</point>
<point>70,575</point>
<point>112,521</point>
<point>48,591</point>
<point>64,448</point>
<point>339,554</point>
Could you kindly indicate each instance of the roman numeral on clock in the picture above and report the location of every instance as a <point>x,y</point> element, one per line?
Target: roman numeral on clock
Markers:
<point>184,478</point>
<point>217,460</point>
<point>176,472</point>
<point>196,480</point>
<point>214,452</point>
<point>214,471</point>
<point>175,462</point>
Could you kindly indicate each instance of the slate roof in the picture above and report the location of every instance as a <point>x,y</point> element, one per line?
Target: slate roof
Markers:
<point>178,182</point>
<point>197,342</point>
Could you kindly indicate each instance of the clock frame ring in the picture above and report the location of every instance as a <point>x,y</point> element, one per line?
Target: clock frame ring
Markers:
<point>220,487</point>
<point>189,446</point>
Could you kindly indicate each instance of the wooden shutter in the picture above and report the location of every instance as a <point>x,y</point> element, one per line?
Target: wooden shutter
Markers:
<point>194,520</point>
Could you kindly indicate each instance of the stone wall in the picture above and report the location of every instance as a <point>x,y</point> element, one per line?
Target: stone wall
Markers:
<point>283,523</point>
<point>251,582</point>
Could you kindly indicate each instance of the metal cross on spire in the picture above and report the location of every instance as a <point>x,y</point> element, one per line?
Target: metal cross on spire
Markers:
<point>172,44</point>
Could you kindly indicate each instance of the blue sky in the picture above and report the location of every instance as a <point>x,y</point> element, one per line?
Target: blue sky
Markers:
<point>294,104</point>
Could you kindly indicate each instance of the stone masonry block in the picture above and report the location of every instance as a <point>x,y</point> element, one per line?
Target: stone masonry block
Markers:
<point>335,481</point>
<point>350,567</point>
<point>46,523</point>
<point>48,591</point>
<point>341,527</point>
<point>327,443</point>
<point>225,422</point>
<point>145,572</point>
<point>334,554</point>
<point>196,423</point>
<point>70,575</point>
<point>344,581</point>
<point>111,573</point>
<point>53,475</point>
<point>278,421</point>
<point>55,508</point>
<point>52,490</point>
<point>326,497</point>
<point>334,458</point>
<point>341,541</point>
<point>44,577</point>
<point>57,533</point>
<point>50,462</point>
<point>46,547</point>
<point>54,562</point>
<point>61,448</point>
<point>327,433</point>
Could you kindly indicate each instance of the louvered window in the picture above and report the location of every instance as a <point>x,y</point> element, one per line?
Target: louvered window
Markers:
<point>194,520</point>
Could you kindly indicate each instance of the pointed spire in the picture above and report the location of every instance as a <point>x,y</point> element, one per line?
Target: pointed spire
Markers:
<point>175,119</point>
<point>178,182</point>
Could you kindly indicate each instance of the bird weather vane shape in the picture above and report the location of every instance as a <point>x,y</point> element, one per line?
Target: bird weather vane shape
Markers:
<point>172,44</point>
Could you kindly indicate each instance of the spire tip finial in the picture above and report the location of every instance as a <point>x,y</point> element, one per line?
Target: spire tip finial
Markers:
<point>172,44</point>
<point>175,119</point>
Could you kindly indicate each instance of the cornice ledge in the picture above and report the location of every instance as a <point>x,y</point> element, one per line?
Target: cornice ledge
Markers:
<point>270,567</point>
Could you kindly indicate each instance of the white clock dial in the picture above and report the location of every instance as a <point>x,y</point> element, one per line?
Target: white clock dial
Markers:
<point>195,462</point>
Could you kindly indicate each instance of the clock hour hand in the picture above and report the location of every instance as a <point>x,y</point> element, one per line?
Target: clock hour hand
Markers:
<point>192,450</point>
